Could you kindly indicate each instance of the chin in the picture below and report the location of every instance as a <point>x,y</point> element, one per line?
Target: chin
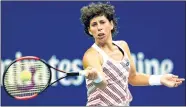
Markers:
<point>102,41</point>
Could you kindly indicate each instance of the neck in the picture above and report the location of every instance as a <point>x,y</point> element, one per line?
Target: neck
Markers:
<point>108,45</point>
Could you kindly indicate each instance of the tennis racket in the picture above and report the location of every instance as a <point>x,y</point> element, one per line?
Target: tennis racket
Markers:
<point>26,77</point>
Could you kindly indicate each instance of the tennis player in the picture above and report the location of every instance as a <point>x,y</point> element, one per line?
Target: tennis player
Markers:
<point>112,61</point>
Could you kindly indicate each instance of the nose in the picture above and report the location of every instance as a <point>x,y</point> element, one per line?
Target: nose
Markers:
<point>99,27</point>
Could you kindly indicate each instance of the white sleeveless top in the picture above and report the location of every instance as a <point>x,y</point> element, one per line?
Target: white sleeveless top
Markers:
<point>116,92</point>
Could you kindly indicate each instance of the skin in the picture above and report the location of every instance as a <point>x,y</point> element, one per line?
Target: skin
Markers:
<point>100,27</point>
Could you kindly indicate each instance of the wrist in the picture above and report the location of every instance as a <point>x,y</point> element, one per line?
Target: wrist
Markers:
<point>155,80</point>
<point>98,79</point>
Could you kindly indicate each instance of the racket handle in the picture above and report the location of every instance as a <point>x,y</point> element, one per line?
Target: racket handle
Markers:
<point>97,80</point>
<point>83,73</point>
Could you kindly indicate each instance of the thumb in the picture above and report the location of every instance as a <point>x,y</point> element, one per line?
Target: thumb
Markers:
<point>84,73</point>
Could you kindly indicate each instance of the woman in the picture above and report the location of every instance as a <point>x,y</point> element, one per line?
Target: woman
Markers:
<point>111,61</point>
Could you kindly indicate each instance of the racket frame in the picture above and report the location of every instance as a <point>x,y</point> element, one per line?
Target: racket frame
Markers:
<point>49,81</point>
<point>34,95</point>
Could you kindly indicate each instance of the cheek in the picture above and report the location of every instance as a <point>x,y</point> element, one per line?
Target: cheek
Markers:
<point>93,31</point>
<point>108,29</point>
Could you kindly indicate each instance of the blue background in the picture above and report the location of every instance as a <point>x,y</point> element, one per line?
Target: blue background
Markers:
<point>48,28</point>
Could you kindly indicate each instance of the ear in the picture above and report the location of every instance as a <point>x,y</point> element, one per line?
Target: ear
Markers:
<point>112,24</point>
<point>89,31</point>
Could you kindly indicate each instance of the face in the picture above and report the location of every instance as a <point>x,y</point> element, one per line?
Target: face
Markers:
<point>100,27</point>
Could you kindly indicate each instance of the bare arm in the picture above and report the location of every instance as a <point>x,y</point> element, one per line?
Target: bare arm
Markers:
<point>140,79</point>
<point>92,65</point>
<point>135,78</point>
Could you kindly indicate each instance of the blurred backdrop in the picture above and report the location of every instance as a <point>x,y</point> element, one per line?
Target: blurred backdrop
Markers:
<point>155,32</point>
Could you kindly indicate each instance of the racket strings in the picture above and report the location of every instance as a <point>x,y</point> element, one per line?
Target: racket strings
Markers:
<point>39,80</point>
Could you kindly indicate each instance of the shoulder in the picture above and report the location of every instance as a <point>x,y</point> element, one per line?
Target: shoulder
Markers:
<point>91,57</point>
<point>90,52</point>
<point>122,43</point>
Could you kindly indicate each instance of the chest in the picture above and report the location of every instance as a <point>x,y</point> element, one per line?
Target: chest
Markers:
<point>116,55</point>
<point>116,72</point>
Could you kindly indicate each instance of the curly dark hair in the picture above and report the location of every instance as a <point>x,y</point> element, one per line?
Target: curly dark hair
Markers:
<point>98,9</point>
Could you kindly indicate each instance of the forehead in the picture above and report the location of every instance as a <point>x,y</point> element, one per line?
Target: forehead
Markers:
<point>98,18</point>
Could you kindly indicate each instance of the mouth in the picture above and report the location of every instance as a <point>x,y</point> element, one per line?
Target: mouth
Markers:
<point>101,35</point>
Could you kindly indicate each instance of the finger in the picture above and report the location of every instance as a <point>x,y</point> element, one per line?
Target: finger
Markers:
<point>90,75</point>
<point>94,75</point>
<point>85,73</point>
<point>180,79</point>
<point>175,76</point>
<point>89,68</point>
<point>176,85</point>
<point>179,83</point>
<point>174,79</point>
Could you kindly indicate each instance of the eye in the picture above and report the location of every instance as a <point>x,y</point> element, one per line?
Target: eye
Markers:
<point>93,24</point>
<point>102,22</point>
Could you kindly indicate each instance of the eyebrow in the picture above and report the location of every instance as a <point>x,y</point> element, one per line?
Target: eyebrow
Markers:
<point>98,21</point>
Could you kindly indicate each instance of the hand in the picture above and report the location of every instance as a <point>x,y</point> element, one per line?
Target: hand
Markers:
<point>171,80</point>
<point>91,73</point>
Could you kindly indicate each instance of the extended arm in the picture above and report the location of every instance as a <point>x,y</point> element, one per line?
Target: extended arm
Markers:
<point>141,79</point>
<point>92,65</point>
